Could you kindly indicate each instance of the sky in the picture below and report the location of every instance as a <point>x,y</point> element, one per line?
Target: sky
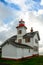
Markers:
<point>12,11</point>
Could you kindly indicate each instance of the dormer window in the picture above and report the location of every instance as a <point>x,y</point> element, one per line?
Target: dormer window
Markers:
<point>19,32</point>
<point>27,40</point>
<point>19,41</point>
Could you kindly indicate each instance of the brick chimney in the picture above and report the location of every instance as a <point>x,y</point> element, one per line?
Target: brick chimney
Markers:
<point>31,29</point>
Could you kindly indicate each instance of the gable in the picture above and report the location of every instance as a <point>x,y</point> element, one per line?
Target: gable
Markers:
<point>31,35</point>
<point>36,36</point>
<point>6,46</point>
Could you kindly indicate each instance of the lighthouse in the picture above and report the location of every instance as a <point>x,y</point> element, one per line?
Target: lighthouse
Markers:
<point>21,31</point>
<point>22,45</point>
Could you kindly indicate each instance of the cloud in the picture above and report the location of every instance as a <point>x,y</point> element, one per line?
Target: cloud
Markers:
<point>0,42</point>
<point>4,11</point>
<point>40,12</point>
<point>7,15</point>
<point>24,5</point>
<point>41,2</point>
<point>32,5</point>
<point>7,30</point>
<point>18,3</point>
<point>40,51</point>
<point>15,6</point>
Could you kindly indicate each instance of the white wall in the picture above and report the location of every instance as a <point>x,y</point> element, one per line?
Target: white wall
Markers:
<point>9,51</point>
<point>20,36</point>
<point>35,37</point>
<point>23,31</point>
<point>22,52</point>
<point>19,53</point>
<point>35,44</point>
<point>27,53</point>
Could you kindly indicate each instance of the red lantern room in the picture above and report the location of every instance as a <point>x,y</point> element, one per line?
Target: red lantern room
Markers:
<point>21,24</point>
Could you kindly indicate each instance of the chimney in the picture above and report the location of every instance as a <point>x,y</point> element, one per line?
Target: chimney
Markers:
<point>31,29</point>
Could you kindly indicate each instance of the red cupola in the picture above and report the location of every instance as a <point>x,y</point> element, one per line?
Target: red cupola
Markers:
<point>21,24</point>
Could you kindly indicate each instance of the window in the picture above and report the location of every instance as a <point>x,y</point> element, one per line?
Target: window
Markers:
<point>19,41</point>
<point>35,48</point>
<point>27,40</point>
<point>19,32</point>
<point>36,41</point>
<point>29,50</point>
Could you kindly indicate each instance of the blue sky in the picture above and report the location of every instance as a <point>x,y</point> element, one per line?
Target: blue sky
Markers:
<point>37,1</point>
<point>11,11</point>
<point>29,5</point>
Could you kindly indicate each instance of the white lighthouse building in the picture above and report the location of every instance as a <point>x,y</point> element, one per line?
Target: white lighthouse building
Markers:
<point>21,45</point>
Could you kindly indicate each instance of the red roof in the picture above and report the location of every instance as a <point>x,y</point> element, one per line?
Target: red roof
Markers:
<point>21,25</point>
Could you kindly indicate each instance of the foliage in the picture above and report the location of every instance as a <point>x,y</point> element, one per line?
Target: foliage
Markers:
<point>32,61</point>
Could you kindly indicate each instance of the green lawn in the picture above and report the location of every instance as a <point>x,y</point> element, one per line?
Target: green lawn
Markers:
<point>0,55</point>
<point>32,61</point>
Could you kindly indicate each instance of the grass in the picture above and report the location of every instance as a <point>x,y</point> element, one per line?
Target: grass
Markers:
<point>0,55</point>
<point>32,61</point>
